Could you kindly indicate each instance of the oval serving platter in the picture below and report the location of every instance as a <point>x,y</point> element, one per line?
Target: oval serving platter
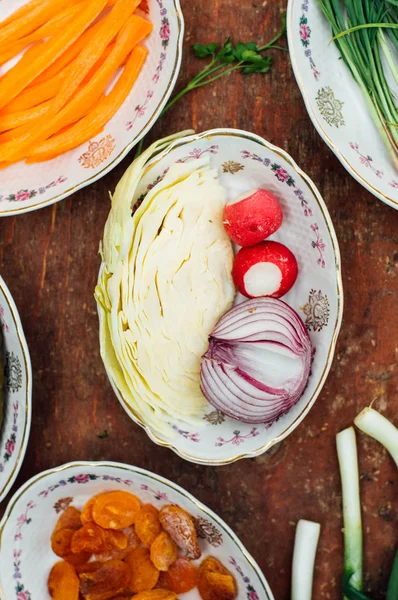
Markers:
<point>17,392</point>
<point>27,187</point>
<point>246,161</point>
<point>335,103</point>
<point>25,531</point>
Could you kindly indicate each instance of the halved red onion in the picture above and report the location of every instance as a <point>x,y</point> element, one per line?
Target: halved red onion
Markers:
<point>258,361</point>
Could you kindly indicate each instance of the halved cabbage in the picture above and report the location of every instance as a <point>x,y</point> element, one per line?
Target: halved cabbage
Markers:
<point>165,282</point>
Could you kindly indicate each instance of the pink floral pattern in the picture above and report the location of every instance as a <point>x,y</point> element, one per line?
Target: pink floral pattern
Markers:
<point>156,494</point>
<point>319,245</point>
<point>305,37</point>
<point>196,153</point>
<point>237,438</point>
<point>21,592</point>
<point>24,195</point>
<point>194,437</point>
<point>83,478</point>
<point>250,591</point>
<point>164,34</point>
<point>366,160</point>
<point>394,184</point>
<point>2,320</point>
<point>9,446</point>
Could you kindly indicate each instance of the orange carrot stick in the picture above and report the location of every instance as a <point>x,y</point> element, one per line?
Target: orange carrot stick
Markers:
<point>19,76</point>
<point>110,26</point>
<point>52,27</point>
<point>32,20</point>
<point>22,117</point>
<point>32,96</point>
<point>22,11</point>
<point>90,92</point>
<point>69,54</point>
<point>89,125</point>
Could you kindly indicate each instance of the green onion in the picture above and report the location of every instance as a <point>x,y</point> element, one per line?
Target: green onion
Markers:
<point>305,545</point>
<point>381,429</point>
<point>359,30</point>
<point>348,463</point>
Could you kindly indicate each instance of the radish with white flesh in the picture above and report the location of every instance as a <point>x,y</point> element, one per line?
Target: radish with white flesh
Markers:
<point>252,217</point>
<point>267,269</point>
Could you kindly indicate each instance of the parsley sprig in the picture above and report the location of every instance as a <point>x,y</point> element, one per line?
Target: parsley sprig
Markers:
<point>224,59</point>
<point>246,58</point>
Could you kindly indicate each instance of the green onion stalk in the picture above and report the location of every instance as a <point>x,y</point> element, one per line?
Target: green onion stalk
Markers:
<point>366,32</point>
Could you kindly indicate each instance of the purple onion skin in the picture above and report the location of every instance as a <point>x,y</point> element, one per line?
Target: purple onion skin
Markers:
<point>213,388</point>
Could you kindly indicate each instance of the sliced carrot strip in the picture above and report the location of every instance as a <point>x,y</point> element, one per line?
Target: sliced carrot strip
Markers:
<point>69,54</point>
<point>89,125</point>
<point>32,20</point>
<point>22,11</point>
<point>52,27</point>
<point>34,95</point>
<point>19,76</point>
<point>110,26</point>
<point>21,117</point>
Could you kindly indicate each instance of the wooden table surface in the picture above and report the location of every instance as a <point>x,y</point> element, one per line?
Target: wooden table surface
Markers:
<point>49,261</point>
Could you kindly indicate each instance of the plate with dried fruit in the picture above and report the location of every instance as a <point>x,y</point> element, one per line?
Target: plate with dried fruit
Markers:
<point>81,84</point>
<point>219,295</point>
<point>110,530</point>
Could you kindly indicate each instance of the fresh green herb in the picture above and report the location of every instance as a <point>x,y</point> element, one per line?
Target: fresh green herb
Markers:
<point>348,463</point>
<point>381,429</point>
<point>103,435</point>
<point>360,29</point>
<point>224,59</point>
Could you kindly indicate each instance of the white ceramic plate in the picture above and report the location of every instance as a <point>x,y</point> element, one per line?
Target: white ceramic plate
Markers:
<point>17,392</point>
<point>25,531</point>
<point>246,161</point>
<point>335,103</point>
<point>27,187</point>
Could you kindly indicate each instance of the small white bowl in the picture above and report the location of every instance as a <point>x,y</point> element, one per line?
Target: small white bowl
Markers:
<point>25,531</point>
<point>335,103</point>
<point>26,187</point>
<point>246,161</point>
<point>17,392</point>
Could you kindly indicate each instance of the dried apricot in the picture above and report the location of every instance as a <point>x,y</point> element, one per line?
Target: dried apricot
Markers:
<point>63,583</point>
<point>181,577</point>
<point>147,524</point>
<point>144,574</point>
<point>164,551</point>
<point>180,526</point>
<point>116,510</point>
<point>215,582</point>
<point>157,594</point>
<point>87,512</point>
<point>69,519</point>
<point>61,541</point>
<point>110,579</point>
<point>88,567</point>
<point>118,544</point>
<point>90,538</point>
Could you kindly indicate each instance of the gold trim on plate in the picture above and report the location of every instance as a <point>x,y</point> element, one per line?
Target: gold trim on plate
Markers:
<point>138,137</point>
<point>340,301</point>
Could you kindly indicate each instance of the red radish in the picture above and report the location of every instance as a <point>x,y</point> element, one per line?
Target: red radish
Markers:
<point>252,217</point>
<point>267,269</point>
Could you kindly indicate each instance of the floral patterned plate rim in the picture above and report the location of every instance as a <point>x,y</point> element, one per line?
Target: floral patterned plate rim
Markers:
<point>246,160</point>
<point>17,392</point>
<point>25,188</point>
<point>335,104</point>
<point>24,532</point>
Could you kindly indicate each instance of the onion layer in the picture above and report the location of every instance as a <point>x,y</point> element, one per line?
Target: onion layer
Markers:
<point>258,361</point>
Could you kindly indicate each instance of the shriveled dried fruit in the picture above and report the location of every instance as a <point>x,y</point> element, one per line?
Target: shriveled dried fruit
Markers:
<point>158,594</point>
<point>164,551</point>
<point>144,575</point>
<point>87,512</point>
<point>118,544</point>
<point>181,577</point>
<point>61,541</point>
<point>63,583</point>
<point>147,524</point>
<point>69,519</point>
<point>116,510</point>
<point>90,538</point>
<point>88,567</point>
<point>180,526</point>
<point>215,582</point>
<point>110,579</point>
